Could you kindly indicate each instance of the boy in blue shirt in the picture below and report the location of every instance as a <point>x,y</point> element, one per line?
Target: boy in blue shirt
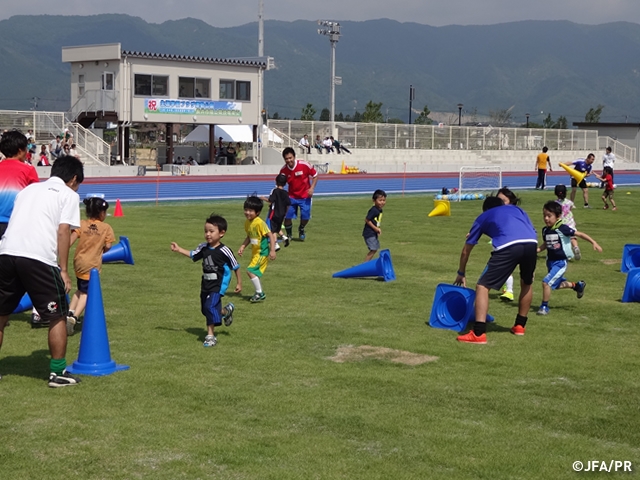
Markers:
<point>583,166</point>
<point>514,244</point>
<point>217,263</point>
<point>556,238</point>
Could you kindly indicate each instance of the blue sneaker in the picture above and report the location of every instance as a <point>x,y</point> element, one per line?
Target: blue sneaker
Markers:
<point>543,311</point>
<point>579,288</point>
<point>228,317</point>
<point>301,235</point>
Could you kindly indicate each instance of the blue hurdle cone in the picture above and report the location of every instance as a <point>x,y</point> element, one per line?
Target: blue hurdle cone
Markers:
<point>120,252</point>
<point>632,287</point>
<point>381,267</point>
<point>24,305</point>
<point>630,257</point>
<point>94,357</point>
<point>453,307</point>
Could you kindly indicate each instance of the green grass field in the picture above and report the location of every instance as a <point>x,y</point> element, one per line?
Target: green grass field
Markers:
<point>269,403</point>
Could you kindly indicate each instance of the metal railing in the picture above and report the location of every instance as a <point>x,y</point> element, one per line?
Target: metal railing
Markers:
<point>95,100</point>
<point>45,127</point>
<point>436,137</point>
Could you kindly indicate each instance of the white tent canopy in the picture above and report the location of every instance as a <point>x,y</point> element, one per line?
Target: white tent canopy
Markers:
<point>229,133</point>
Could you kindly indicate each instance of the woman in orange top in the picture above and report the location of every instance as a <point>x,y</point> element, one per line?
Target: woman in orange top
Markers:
<point>96,237</point>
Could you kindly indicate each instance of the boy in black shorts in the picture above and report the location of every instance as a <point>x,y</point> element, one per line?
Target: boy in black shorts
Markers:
<point>279,200</point>
<point>34,257</point>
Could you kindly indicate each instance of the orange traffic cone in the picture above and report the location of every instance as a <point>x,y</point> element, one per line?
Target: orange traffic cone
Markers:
<point>441,208</point>
<point>118,211</point>
<point>579,176</point>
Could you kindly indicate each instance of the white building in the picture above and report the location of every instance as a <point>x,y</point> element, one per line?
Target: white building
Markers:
<point>125,87</point>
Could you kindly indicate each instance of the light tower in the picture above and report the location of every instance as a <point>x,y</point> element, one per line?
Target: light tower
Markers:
<point>332,30</point>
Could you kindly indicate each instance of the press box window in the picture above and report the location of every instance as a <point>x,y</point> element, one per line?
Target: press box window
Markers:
<point>194,87</point>
<point>227,90</point>
<point>151,85</point>
<point>243,91</point>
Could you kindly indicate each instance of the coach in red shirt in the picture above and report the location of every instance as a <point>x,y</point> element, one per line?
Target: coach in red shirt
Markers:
<point>302,179</point>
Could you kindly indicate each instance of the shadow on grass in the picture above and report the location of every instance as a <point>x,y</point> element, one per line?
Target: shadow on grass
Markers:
<point>35,365</point>
<point>201,332</point>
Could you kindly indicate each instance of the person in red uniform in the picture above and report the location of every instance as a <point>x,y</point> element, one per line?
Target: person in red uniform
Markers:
<point>302,179</point>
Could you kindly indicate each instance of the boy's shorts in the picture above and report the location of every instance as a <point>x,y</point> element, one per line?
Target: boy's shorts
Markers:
<point>258,265</point>
<point>305,209</point>
<point>275,224</point>
<point>503,262</point>
<point>83,285</point>
<point>555,277</point>
<point>373,243</point>
<point>582,184</point>
<point>608,193</point>
<point>211,307</point>
<point>43,283</point>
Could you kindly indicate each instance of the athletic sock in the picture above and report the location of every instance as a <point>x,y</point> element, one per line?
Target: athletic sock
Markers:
<point>479,328</point>
<point>57,366</point>
<point>256,284</point>
<point>510,284</point>
<point>520,320</point>
<point>289,230</point>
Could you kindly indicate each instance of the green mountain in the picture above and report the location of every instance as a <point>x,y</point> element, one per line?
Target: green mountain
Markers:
<point>555,67</point>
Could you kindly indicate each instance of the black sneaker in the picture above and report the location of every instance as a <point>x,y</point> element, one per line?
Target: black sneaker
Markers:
<point>579,288</point>
<point>65,379</point>
<point>37,322</point>
<point>301,235</point>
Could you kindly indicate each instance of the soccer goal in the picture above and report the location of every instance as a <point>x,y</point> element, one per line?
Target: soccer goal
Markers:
<point>479,180</point>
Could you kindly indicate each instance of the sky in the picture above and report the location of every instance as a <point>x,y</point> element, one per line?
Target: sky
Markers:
<point>229,13</point>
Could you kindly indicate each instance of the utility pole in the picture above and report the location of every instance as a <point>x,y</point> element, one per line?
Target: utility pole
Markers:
<point>412,97</point>
<point>261,28</point>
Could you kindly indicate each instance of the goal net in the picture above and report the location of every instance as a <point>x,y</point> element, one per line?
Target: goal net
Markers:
<point>479,180</point>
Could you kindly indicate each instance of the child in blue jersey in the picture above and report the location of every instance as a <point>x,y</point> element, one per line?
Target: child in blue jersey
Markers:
<point>556,238</point>
<point>514,244</point>
<point>582,166</point>
<point>217,263</point>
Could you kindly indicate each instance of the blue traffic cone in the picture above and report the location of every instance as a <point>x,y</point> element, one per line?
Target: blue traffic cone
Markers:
<point>453,307</point>
<point>630,257</point>
<point>632,287</point>
<point>25,304</point>
<point>120,252</point>
<point>381,267</point>
<point>94,357</point>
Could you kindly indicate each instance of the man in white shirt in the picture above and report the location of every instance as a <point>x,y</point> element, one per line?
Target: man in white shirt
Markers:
<point>34,256</point>
<point>304,143</point>
<point>608,160</point>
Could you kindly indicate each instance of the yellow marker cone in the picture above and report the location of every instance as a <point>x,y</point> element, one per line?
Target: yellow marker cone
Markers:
<point>579,176</point>
<point>441,208</point>
<point>343,170</point>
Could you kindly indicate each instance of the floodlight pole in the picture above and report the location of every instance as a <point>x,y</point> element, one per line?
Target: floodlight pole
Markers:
<point>261,29</point>
<point>460,114</point>
<point>333,32</point>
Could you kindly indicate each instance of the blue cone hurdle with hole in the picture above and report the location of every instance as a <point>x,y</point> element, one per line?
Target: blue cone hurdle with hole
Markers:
<point>24,305</point>
<point>94,356</point>
<point>380,267</point>
<point>630,257</point>
<point>632,286</point>
<point>120,252</point>
<point>453,307</point>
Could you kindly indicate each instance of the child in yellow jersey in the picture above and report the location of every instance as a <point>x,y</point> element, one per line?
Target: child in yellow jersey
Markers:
<point>263,244</point>
<point>95,237</point>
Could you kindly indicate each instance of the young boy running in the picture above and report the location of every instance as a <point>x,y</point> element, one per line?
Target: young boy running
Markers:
<point>280,202</point>
<point>217,263</point>
<point>372,221</point>
<point>263,244</point>
<point>557,242</point>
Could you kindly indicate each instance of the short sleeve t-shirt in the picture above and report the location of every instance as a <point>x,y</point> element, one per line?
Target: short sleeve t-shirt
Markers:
<point>93,235</point>
<point>14,176</point>
<point>567,215</point>
<point>608,183</point>
<point>258,234</point>
<point>582,166</point>
<point>542,160</point>
<point>38,212</point>
<point>558,241</point>
<point>280,202</point>
<point>217,265</point>
<point>298,178</point>
<point>375,216</point>
<point>505,225</point>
